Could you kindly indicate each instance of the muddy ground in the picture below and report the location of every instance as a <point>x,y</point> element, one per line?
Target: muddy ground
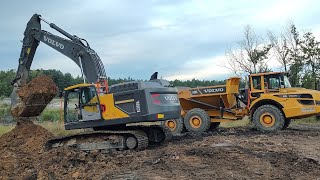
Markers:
<point>233,153</point>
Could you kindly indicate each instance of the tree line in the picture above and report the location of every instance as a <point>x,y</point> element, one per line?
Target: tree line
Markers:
<point>63,80</point>
<point>298,53</point>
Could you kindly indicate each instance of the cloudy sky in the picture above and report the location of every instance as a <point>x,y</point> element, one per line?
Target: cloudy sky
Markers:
<point>179,39</point>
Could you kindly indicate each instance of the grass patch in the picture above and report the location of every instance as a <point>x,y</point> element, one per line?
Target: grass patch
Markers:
<point>5,128</point>
<point>4,111</point>
<point>238,123</point>
<point>5,114</point>
<point>57,128</point>
<point>50,115</point>
<point>4,105</point>
<point>246,122</point>
<point>309,120</point>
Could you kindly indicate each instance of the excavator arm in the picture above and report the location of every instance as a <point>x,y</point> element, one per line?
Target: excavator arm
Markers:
<point>73,47</point>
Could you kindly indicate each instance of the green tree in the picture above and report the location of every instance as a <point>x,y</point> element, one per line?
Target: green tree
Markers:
<point>294,56</point>
<point>5,82</point>
<point>310,48</point>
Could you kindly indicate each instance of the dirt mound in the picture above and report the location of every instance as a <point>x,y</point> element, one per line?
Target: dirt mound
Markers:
<point>20,148</point>
<point>226,154</point>
<point>235,153</point>
<point>34,97</point>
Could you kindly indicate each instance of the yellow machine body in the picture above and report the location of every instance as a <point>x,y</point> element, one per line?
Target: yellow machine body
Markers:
<point>294,102</point>
<point>113,112</point>
<point>107,100</point>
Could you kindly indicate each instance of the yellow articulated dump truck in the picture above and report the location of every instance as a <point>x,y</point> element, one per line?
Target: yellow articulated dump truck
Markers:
<point>268,99</point>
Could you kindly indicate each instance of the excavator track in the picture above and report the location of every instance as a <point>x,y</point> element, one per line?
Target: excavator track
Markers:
<point>156,134</point>
<point>168,134</point>
<point>134,137</point>
<point>102,140</point>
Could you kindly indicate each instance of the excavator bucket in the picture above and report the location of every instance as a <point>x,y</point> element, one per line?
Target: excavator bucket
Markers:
<point>31,99</point>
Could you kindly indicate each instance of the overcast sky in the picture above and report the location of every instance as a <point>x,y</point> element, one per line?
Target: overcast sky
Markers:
<point>179,39</point>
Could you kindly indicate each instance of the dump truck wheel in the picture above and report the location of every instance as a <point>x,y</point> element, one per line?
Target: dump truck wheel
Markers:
<point>286,124</point>
<point>268,118</point>
<point>197,121</point>
<point>175,125</point>
<point>214,126</point>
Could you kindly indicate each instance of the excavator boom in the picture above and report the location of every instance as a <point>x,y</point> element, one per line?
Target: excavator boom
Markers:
<point>73,47</point>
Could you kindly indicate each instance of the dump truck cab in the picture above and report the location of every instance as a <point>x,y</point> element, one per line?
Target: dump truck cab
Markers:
<point>267,82</point>
<point>274,89</point>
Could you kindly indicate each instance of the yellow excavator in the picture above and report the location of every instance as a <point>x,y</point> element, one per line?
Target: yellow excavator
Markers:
<point>109,111</point>
<point>268,99</point>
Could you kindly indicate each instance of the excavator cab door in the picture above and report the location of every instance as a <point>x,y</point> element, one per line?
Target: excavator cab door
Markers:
<point>81,104</point>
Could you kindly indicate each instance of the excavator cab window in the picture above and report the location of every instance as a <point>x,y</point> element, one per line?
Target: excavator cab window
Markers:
<point>82,104</point>
<point>87,95</point>
<point>72,113</point>
<point>89,104</point>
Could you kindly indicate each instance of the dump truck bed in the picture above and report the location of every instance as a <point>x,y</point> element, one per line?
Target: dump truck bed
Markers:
<point>217,96</point>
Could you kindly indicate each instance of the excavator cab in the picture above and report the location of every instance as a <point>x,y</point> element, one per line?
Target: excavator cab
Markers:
<point>81,103</point>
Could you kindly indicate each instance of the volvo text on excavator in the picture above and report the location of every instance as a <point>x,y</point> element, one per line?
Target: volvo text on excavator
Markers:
<point>109,111</point>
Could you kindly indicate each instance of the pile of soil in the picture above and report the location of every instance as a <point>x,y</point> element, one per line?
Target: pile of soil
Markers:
<point>20,148</point>
<point>234,153</point>
<point>34,97</point>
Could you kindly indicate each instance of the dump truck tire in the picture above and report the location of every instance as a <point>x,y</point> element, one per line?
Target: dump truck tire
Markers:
<point>286,124</point>
<point>268,118</point>
<point>197,121</point>
<point>176,126</point>
<point>214,126</point>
